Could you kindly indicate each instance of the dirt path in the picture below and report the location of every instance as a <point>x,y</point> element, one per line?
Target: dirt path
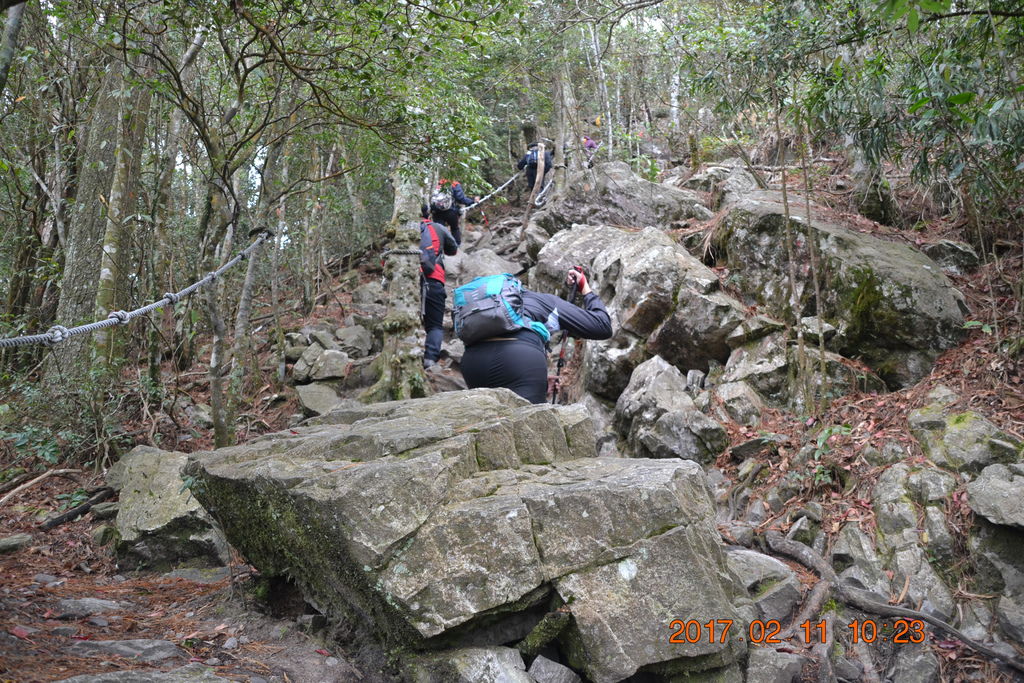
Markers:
<point>207,617</point>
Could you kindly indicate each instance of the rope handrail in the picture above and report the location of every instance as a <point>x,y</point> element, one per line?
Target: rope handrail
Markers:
<point>493,192</point>
<point>59,333</point>
<point>544,190</point>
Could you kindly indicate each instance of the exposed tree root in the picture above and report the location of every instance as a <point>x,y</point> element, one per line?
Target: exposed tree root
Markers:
<point>856,598</point>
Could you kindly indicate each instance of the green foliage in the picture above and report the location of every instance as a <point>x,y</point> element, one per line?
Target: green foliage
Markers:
<point>823,445</point>
<point>35,443</point>
<point>72,499</point>
<point>977,324</point>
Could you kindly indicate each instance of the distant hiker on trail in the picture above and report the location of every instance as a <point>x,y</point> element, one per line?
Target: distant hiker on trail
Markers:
<point>530,160</point>
<point>590,149</point>
<point>444,205</point>
<point>435,242</point>
<point>518,359</point>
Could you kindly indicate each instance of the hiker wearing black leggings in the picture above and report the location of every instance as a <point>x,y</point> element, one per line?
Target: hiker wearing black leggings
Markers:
<point>519,361</point>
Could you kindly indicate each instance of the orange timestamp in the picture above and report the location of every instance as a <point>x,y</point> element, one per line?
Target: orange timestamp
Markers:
<point>769,632</point>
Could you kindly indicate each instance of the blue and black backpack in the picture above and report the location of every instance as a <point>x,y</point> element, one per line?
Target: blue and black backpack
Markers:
<point>492,306</point>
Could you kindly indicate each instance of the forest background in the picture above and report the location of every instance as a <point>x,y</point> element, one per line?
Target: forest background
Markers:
<point>143,144</point>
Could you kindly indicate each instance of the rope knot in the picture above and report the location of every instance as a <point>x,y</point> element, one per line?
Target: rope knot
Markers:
<point>121,317</point>
<point>211,276</point>
<point>171,297</point>
<point>56,334</point>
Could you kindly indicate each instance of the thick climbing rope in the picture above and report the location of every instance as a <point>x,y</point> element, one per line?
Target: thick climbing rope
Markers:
<point>544,190</point>
<point>59,333</point>
<point>494,192</point>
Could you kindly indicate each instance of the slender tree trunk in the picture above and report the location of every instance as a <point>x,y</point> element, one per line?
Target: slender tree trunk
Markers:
<point>223,426</point>
<point>355,199</point>
<point>112,291</point>
<point>239,357</point>
<point>571,117</point>
<point>537,183</point>
<point>9,44</point>
<point>609,141</point>
<point>164,334</point>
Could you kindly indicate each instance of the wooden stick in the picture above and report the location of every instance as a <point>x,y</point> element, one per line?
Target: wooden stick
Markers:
<point>78,511</point>
<point>8,485</point>
<point>35,481</point>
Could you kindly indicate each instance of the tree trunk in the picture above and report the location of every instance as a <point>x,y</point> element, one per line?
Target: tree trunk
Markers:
<point>239,357</point>
<point>121,204</point>
<point>85,233</point>
<point>401,359</point>
<point>223,426</point>
<point>9,45</point>
<point>164,333</point>
<point>537,184</point>
<point>609,140</point>
<point>359,215</point>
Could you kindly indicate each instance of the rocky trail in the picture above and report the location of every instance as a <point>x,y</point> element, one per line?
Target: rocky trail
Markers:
<point>894,489</point>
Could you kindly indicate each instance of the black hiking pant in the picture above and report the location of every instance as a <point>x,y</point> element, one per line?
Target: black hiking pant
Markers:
<point>519,363</point>
<point>433,319</point>
<point>450,218</point>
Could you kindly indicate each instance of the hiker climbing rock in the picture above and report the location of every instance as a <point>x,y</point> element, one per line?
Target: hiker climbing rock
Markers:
<point>435,242</point>
<point>444,205</point>
<point>590,149</point>
<point>517,358</point>
<point>530,160</point>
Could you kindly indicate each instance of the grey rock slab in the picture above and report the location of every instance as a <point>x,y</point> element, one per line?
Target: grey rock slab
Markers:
<point>473,665</point>
<point>612,193</point>
<point>930,485</point>
<point>964,442</point>
<point>765,665</point>
<point>14,542</point>
<point>925,588</point>
<point>331,364</point>
<point>742,404</point>
<point>660,420</point>
<point>318,398</point>
<point>76,608</point>
<point>771,584</point>
<point>151,651</point>
<point>614,604</point>
<point>954,257</point>
<point>855,559</point>
<point>913,305</point>
<point>159,521</point>
<point>998,496</point>
<point>543,670</point>
<point>191,673</point>
<point>914,663</point>
<point>354,340</point>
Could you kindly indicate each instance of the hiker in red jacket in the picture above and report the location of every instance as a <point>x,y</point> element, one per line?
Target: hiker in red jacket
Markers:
<point>435,242</point>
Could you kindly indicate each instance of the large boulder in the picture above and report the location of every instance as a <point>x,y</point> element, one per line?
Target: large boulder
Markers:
<point>785,379</point>
<point>457,519</point>
<point>998,494</point>
<point>463,267</point>
<point>611,193</point>
<point>962,441</point>
<point>660,420</point>
<point>662,301</point>
<point>159,522</point>
<point>892,304</point>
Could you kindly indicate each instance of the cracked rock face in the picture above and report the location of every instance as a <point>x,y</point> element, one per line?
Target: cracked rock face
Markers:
<point>441,520</point>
